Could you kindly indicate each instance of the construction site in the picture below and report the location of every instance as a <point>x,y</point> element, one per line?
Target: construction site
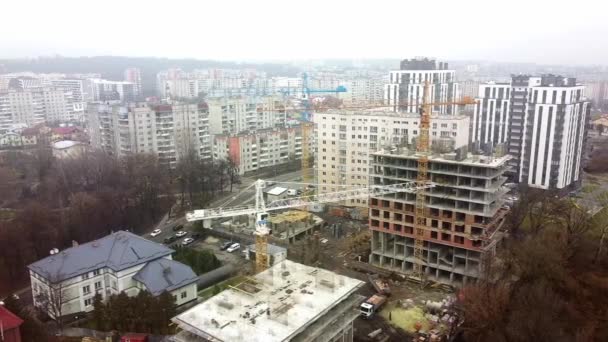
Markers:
<point>434,217</point>
<point>462,221</point>
<point>287,302</point>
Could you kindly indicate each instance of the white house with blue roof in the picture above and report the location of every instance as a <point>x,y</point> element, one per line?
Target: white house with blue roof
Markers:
<point>119,262</point>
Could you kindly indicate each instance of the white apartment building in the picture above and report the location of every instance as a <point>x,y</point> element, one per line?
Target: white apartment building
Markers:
<point>78,87</point>
<point>117,263</point>
<point>133,75</point>
<point>235,114</point>
<point>254,150</point>
<point>405,89</point>
<point>363,91</point>
<point>491,116</point>
<point>346,139</point>
<point>104,90</point>
<point>170,131</point>
<point>554,131</point>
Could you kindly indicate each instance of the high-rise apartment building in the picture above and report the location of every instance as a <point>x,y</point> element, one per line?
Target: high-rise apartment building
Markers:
<point>405,90</point>
<point>231,115</point>
<point>490,122</point>
<point>254,150</point>
<point>346,139</point>
<point>169,131</point>
<point>554,132</point>
<point>104,90</point>
<point>541,120</point>
<point>133,75</point>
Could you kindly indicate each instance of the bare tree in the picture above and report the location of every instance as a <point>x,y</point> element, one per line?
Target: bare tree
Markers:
<point>51,299</point>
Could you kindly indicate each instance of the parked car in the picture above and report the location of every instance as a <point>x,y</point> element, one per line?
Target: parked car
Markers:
<point>195,236</point>
<point>226,245</point>
<point>235,247</point>
<point>178,227</point>
<point>155,232</point>
<point>187,241</point>
<point>181,233</point>
<point>169,240</point>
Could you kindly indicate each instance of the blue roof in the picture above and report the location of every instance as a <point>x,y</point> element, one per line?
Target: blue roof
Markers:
<point>165,275</point>
<point>117,251</point>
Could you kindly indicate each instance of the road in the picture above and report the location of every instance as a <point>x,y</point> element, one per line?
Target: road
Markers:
<point>242,197</point>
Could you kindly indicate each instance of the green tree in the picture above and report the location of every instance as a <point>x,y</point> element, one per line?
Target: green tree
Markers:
<point>99,312</point>
<point>166,303</point>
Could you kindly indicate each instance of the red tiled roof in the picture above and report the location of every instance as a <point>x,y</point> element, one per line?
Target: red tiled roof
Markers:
<point>65,130</point>
<point>9,319</point>
<point>30,131</point>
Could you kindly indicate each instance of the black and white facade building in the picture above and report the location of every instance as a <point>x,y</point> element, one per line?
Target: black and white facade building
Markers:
<point>543,122</point>
<point>405,90</point>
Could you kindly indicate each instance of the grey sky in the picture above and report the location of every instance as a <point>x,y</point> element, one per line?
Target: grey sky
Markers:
<point>554,32</point>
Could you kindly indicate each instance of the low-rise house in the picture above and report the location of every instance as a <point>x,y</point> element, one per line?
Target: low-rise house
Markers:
<point>65,282</point>
<point>9,326</point>
<point>68,149</point>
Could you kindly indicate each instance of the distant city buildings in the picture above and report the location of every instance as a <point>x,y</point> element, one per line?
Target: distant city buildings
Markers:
<point>235,114</point>
<point>254,150</point>
<point>133,75</point>
<point>169,131</point>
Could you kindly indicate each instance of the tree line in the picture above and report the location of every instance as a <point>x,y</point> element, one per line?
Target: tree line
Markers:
<point>549,281</point>
<point>56,201</point>
<point>200,261</point>
<point>143,313</point>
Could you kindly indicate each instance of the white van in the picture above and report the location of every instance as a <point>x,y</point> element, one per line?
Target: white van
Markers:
<point>292,192</point>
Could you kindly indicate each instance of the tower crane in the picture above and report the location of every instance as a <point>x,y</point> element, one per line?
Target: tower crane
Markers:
<point>422,149</point>
<point>307,124</point>
<point>260,209</point>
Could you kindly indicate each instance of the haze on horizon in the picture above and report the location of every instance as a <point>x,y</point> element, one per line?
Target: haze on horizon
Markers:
<point>549,32</point>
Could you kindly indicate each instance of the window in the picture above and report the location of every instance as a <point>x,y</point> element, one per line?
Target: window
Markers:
<point>454,126</point>
<point>85,276</point>
<point>184,294</point>
<point>96,272</point>
<point>88,302</point>
<point>97,285</point>
<point>86,289</point>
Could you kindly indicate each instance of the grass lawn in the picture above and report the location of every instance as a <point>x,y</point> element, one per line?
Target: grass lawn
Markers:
<point>207,293</point>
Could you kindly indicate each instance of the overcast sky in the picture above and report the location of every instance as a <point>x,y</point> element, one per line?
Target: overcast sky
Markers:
<point>553,32</point>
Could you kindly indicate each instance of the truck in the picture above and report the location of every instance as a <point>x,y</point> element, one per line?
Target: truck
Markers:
<point>372,305</point>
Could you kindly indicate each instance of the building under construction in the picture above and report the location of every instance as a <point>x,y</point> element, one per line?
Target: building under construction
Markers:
<point>287,302</point>
<point>463,213</point>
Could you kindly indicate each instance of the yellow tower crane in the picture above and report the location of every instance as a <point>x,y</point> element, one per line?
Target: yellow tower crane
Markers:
<point>422,149</point>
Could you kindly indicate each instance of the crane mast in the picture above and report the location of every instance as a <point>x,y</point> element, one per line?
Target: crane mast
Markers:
<point>422,149</point>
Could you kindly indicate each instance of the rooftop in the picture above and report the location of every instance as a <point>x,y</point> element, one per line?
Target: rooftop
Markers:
<point>117,251</point>
<point>277,190</point>
<point>470,159</point>
<point>275,305</point>
<point>382,111</point>
<point>8,319</point>
<point>60,145</point>
<point>165,275</point>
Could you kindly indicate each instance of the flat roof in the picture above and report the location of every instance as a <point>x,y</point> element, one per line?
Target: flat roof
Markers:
<point>274,305</point>
<point>471,159</point>
<point>277,190</point>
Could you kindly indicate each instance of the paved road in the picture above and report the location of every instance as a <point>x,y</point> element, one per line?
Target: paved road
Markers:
<point>238,198</point>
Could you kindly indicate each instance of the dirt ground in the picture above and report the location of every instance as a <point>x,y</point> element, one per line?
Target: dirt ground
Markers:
<point>336,253</point>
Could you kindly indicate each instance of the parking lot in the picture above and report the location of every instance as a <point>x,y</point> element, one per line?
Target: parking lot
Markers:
<point>212,243</point>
